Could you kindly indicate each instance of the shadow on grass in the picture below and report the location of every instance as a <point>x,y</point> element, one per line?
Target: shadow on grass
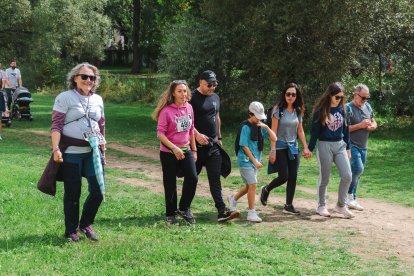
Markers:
<point>31,240</point>
<point>204,218</point>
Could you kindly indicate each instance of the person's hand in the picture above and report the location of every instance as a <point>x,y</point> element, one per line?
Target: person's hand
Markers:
<point>365,123</point>
<point>57,156</point>
<point>306,153</point>
<point>195,155</point>
<point>348,152</point>
<point>261,124</point>
<point>220,142</point>
<point>179,154</point>
<point>202,139</point>
<point>257,164</point>
<point>272,157</point>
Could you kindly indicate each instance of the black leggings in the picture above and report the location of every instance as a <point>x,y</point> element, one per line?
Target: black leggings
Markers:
<point>287,171</point>
<point>170,166</point>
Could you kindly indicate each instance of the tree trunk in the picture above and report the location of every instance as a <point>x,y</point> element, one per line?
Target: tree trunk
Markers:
<point>379,74</point>
<point>136,62</point>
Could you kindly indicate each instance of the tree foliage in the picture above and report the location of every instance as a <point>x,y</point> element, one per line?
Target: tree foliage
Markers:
<point>48,34</point>
<point>263,44</point>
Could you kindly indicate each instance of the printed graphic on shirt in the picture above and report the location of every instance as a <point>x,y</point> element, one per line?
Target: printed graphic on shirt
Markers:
<point>183,122</point>
<point>335,121</point>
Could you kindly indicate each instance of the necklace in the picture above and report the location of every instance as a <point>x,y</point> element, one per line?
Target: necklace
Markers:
<point>85,108</point>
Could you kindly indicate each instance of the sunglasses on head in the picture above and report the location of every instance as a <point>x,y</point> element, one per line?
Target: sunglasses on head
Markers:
<point>210,84</point>
<point>289,94</point>
<point>339,97</point>
<point>363,98</point>
<point>85,77</point>
<point>179,81</point>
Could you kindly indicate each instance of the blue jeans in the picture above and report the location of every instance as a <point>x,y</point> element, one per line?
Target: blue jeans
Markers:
<point>358,158</point>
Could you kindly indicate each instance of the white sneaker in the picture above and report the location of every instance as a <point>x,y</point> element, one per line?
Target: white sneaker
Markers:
<point>353,204</point>
<point>253,216</point>
<point>232,203</point>
<point>344,211</point>
<point>322,211</point>
<point>349,198</point>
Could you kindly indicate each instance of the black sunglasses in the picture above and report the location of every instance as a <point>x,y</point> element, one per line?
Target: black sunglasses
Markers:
<point>210,84</point>
<point>179,81</point>
<point>85,77</point>
<point>363,98</point>
<point>288,94</point>
<point>339,97</point>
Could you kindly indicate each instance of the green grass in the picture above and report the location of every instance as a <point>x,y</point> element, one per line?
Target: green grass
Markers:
<point>134,239</point>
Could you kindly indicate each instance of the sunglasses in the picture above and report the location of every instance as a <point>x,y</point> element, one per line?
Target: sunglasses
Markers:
<point>288,94</point>
<point>179,81</point>
<point>209,85</point>
<point>339,97</point>
<point>85,77</point>
<point>363,98</point>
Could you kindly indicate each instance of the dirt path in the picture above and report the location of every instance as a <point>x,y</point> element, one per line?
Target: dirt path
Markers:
<point>381,230</point>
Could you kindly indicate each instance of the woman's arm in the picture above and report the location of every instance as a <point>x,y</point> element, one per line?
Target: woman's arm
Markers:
<point>179,154</point>
<point>301,135</point>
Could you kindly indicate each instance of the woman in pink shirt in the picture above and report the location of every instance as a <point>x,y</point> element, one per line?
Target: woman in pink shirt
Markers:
<point>178,151</point>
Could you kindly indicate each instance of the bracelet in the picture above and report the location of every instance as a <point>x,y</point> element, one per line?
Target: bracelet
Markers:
<point>219,138</point>
<point>56,149</point>
<point>194,150</point>
<point>272,150</point>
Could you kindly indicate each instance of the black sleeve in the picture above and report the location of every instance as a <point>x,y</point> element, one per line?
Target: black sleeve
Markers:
<point>315,131</point>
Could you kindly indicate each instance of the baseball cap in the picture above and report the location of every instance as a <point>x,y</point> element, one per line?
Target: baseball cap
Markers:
<point>258,110</point>
<point>208,76</point>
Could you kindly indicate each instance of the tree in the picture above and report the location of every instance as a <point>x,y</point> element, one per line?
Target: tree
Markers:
<point>136,63</point>
<point>264,44</point>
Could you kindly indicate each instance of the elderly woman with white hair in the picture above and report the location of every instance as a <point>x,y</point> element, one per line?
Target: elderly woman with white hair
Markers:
<point>77,113</point>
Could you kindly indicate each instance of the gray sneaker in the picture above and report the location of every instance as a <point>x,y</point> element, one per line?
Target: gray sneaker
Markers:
<point>187,215</point>
<point>89,233</point>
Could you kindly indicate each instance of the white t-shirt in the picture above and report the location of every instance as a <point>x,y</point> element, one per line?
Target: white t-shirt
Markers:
<point>13,76</point>
<point>75,106</point>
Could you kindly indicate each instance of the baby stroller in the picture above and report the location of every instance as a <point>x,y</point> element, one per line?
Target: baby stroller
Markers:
<point>21,104</point>
<point>6,118</point>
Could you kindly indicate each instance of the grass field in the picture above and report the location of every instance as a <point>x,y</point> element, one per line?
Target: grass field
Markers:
<point>134,239</point>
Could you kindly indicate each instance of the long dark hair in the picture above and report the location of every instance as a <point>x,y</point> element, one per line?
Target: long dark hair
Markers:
<point>323,104</point>
<point>298,104</point>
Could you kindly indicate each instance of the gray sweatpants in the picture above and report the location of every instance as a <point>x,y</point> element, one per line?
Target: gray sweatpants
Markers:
<point>328,153</point>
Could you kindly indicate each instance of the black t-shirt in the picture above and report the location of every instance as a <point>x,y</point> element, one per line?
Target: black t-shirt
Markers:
<point>205,112</point>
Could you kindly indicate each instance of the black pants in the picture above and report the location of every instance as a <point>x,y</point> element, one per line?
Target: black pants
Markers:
<point>210,157</point>
<point>73,167</point>
<point>170,166</point>
<point>287,171</point>
<point>9,97</point>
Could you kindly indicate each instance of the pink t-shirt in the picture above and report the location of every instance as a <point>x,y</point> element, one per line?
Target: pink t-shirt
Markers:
<point>177,124</point>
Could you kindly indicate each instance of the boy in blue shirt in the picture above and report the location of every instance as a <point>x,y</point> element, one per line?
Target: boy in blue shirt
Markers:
<point>249,153</point>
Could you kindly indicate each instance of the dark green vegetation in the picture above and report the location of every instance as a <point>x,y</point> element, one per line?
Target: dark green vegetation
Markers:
<point>134,239</point>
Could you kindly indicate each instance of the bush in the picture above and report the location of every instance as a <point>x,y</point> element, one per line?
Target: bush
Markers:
<point>130,89</point>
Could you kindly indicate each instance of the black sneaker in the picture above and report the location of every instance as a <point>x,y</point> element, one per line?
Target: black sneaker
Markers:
<point>226,215</point>
<point>289,209</point>
<point>171,220</point>
<point>89,233</point>
<point>264,195</point>
<point>186,215</point>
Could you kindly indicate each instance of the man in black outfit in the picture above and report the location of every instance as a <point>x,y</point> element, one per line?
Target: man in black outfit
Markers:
<point>206,105</point>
